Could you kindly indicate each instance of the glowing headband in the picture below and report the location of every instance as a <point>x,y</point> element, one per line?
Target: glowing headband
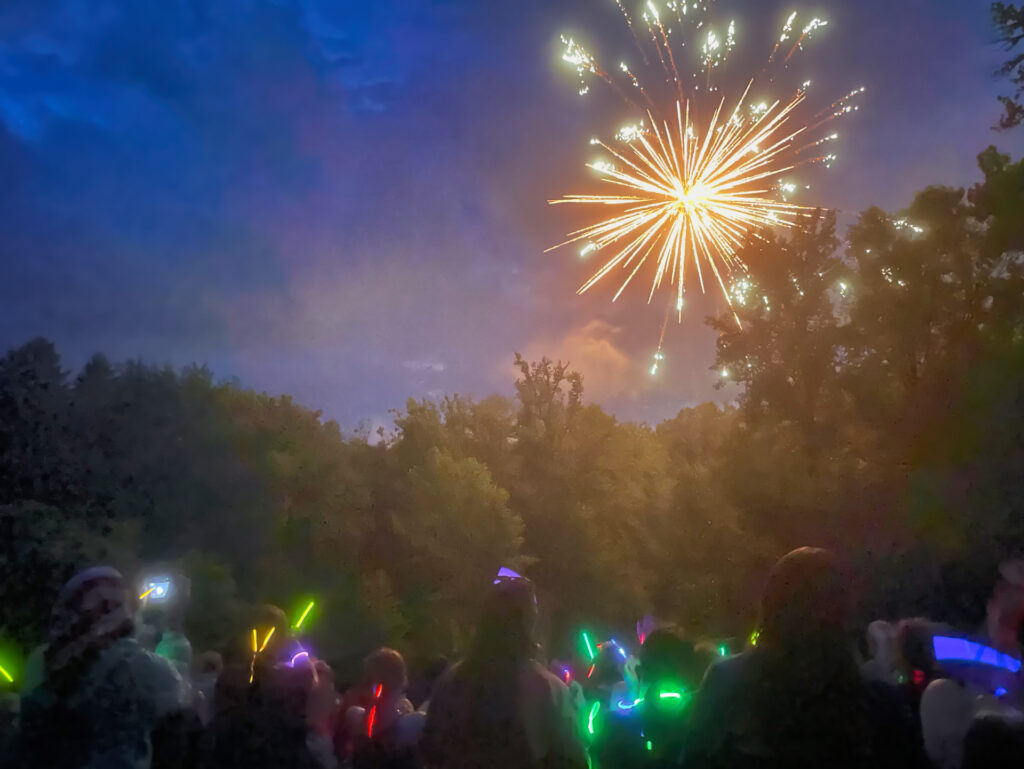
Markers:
<point>962,650</point>
<point>506,573</point>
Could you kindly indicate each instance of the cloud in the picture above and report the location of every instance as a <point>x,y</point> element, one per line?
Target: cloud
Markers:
<point>424,365</point>
<point>593,350</point>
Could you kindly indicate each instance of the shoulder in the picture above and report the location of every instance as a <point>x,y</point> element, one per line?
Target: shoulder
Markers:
<point>726,675</point>
<point>155,677</point>
<point>540,681</point>
<point>537,672</point>
<point>720,704</point>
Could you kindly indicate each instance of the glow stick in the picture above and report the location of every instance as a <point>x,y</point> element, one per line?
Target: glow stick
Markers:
<point>145,595</point>
<point>267,639</point>
<point>962,650</point>
<point>590,647</point>
<point>303,617</point>
<point>622,651</point>
<point>623,706</point>
<point>6,675</point>
<point>255,642</point>
<point>593,713</point>
<point>296,657</point>
<point>670,696</point>
<point>373,711</point>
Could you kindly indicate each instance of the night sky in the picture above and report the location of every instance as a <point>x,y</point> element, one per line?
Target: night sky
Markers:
<point>346,201</point>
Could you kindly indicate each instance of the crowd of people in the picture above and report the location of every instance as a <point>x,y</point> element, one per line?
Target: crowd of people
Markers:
<point>105,692</point>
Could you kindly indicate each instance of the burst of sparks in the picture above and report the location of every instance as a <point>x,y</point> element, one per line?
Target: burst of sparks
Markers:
<point>699,173</point>
<point>691,193</point>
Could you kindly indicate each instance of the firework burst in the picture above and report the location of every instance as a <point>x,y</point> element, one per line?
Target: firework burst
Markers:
<point>701,171</point>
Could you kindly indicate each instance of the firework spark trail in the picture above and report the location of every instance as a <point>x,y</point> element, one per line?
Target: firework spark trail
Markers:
<point>654,38</point>
<point>668,47</point>
<point>691,187</point>
<point>636,37</point>
<point>807,32</point>
<point>786,29</point>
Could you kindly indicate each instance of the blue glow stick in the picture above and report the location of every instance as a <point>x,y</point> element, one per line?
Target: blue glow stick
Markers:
<point>622,651</point>
<point>962,650</point>
<point>622,705</point>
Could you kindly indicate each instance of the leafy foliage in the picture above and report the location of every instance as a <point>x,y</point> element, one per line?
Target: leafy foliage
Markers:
<point>1009,23</point>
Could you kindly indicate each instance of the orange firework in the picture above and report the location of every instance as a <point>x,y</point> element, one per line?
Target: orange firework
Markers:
<point>688,191</point>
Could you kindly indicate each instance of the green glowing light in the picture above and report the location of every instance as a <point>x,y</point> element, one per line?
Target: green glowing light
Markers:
<point>6,675</point>
<point>650,745</point>
<point>593,714</point>
<point>671,695</point>
<point>723,652</point>
<point>305,613</point>
<point>590,646</point>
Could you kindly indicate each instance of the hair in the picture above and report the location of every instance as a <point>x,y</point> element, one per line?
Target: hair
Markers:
<point>90,614</point>
<point>487,682</point>
<point>667,654</point>
<point>386,666</point>
<point>504,634</point>
<point>807,695</point>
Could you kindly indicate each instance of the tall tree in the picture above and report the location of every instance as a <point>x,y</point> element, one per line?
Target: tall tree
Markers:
<point>1009,23</point>
<point>782,342</point>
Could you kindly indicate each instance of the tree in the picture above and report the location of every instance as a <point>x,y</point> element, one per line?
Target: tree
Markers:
<point>1009,23</point>
<point>457,531</point>
<point>783,341</point>
<point>33,396</point>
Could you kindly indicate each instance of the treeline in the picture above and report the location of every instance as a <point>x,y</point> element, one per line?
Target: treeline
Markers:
<point>882,414</point>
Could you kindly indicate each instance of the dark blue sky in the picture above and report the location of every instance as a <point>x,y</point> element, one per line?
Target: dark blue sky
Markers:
<point>346,201</point>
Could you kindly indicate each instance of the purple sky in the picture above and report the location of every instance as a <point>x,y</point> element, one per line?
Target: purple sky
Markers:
<point>346,201</point>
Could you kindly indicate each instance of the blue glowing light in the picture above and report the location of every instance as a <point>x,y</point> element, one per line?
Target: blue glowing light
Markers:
<point>962,650</point>
<point>506,573</point>
<point>624,705</point>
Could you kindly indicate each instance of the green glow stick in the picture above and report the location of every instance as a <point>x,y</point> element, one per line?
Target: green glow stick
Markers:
<point>593,713</point>
<point>671,695</point>
<point>590,647</point>
<point>6,675</point>
<point>302,619</point>
<point>650,745</point>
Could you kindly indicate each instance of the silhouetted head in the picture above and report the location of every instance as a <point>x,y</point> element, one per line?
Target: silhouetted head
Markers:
<point>808,698</point>
<point>507,622</point>
<point>91,611</point>
<point>387,667</point>
<point>667,656</point>
<point>806,597</point>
